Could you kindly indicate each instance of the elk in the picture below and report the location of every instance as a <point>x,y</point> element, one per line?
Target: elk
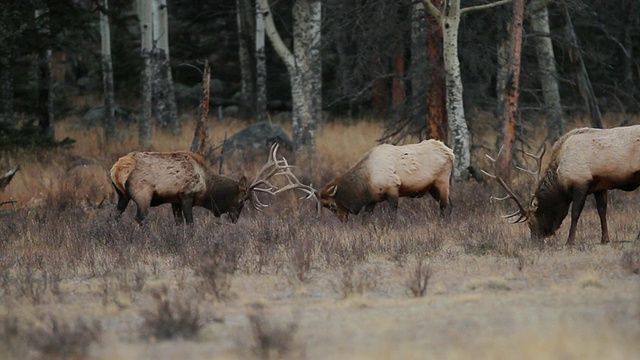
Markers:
<point>584,161</point>
<point>388,172</point>
<point>184,180</point>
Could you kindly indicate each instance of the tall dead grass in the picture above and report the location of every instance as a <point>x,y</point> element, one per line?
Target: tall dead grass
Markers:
<point>64,233</point>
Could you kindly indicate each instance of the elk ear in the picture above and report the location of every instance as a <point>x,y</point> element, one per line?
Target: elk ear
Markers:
<point>242,184</point>
<point>333,190</point>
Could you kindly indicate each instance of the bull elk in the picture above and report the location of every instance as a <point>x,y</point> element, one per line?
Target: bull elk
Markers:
<point>584,161</point>
<point>388,172</point>
<point>184,180</point>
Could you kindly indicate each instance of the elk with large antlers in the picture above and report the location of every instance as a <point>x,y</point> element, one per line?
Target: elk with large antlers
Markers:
<point>582,162</point>
<point>184,180</point>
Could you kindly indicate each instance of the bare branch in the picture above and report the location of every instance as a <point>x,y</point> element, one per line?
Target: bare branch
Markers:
<point>483,7</point>
<point>432,10</point>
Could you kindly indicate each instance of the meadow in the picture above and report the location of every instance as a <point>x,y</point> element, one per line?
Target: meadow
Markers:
<point>75,282</point>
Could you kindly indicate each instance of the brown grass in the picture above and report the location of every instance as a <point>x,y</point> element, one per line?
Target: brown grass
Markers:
<point>357,290</point>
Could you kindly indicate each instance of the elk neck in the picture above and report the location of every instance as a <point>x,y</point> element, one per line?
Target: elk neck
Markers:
<point>553,202</point>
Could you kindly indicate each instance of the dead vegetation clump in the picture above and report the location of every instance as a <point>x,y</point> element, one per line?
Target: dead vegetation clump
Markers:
<point>171,319</point>
<point>53,339</point>
<point>273,339</point>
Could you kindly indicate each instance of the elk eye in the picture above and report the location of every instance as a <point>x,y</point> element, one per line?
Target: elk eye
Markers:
<point>534,202</point>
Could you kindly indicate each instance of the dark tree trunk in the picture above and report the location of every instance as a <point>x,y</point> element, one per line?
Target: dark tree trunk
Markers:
<point>436,99</point>
<point>397,84</point>
<point>379,88</point>
<point>45,98</point>
<point>512,88</point>
<point>246,30</point>
<point>6,90</point>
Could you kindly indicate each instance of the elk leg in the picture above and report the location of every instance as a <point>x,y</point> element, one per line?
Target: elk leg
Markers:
<point>579,198</point>
<point>187,208</point>
<point>123,201</point>
<point>601,205</point>
<point>393,205</point>
<point>177,213</point>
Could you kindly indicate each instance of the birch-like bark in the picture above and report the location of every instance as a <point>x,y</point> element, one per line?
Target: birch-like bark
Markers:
<point>315,23</point>
<point>247,77</point>
<point>548,73</point>
<point>146,44</point>
<point>512,88</point>
<point>166,109</point>
<point>201,133</point>
<point>261,68</point>
<point>458,128</point>
<point>304,72</point>
<point>449,18</point>
<point>45,93</point>
<point>109,121</point>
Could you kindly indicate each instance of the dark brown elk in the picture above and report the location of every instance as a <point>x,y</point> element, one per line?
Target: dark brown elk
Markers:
<point>184,180</point>
<point>582,162</point>
<point>388,172</point>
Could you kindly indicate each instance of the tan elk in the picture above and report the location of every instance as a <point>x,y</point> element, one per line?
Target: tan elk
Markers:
<point>582,162</point>
<point>388,172</point>
<point>184,180</point>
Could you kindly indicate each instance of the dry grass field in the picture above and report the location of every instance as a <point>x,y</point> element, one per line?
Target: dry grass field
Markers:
<point>77,283</point>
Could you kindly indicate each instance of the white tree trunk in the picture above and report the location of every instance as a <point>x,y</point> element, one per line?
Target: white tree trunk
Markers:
<point>261,67</point>
<point>548,73</point>
<point>166,109</point>
<point>304,72</point>
<point>146,44</point>
<point>455,116</point>
<point>107,75</point>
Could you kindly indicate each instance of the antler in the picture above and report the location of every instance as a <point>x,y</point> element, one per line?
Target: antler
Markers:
<point>275,167</point>
<point>538,159</point>
<point>521,213</point>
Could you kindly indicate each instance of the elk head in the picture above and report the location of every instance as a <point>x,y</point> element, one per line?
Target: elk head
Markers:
<point>538,223</point>
<point>328,200</point>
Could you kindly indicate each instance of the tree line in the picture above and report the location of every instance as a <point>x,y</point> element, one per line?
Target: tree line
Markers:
<point>426,67</point>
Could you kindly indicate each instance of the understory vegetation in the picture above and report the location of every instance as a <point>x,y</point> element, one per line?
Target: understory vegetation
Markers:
<point>286,283</point>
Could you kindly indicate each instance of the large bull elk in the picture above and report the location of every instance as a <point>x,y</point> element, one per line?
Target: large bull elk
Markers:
<point>184,180</point>
<point>388,172</point>
<point>584,161</point>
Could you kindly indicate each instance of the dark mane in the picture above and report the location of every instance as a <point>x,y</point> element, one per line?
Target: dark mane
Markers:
<point>353,190</point>
<point>553,201</point>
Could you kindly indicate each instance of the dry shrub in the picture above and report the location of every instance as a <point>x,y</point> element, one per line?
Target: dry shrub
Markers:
<point>418,278</point>
<point>630,261</point>
<point>214,272</point>
<point>171,318</point>
<point>355,282</point>
<point>61,340</point>
<point>300,253</point>
<point>272,340</point>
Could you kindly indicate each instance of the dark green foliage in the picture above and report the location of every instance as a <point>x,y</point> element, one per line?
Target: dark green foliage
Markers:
<point>29,136</point>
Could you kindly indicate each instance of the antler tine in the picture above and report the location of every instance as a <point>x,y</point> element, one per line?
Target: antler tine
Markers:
<point>278,167</point>
<point>538,159</point>
<point>521,212</point>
